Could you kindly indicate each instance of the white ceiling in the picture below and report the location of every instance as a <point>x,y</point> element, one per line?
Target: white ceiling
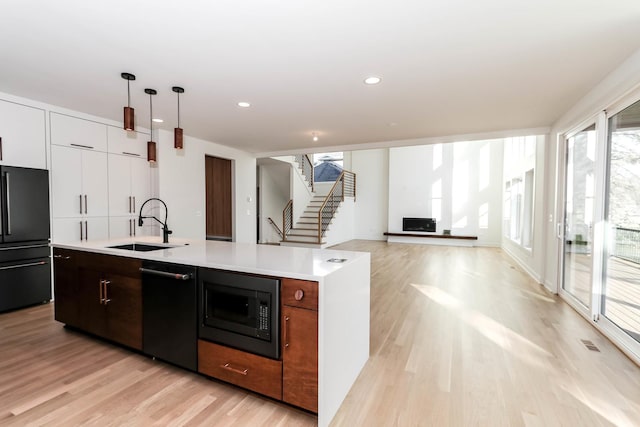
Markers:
<point>449,67</point>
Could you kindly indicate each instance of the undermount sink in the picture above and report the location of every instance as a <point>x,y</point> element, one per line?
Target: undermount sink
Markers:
<point>140,247</point>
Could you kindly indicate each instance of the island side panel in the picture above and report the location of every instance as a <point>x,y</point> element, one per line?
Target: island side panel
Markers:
<point>343,333</point>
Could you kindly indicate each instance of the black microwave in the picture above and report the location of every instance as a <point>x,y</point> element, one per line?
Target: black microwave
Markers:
<point>240,311</point>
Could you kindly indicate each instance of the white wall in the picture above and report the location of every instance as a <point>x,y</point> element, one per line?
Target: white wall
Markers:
<point>465,176</point>
<point>274,182</point>
<point>618,84</point>
<point>372,193</point>
<point>341,227</point>
<point>532,260</point>
<point>181,176</point>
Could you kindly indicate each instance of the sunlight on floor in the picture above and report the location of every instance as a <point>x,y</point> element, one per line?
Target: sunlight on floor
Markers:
<point>502,336</point>
<point>526,351</point>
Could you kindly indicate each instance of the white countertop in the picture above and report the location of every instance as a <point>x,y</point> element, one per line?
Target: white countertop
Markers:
<point>280,261</point>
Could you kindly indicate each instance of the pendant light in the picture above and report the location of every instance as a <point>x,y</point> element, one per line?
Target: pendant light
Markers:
<point>177,132</point>
<point>128,111</point>
<point>151,146</point>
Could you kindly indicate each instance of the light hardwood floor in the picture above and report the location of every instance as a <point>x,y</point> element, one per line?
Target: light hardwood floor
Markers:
<point>459,337</point>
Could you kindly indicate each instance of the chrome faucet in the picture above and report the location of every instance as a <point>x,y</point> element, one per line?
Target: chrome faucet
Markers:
<point>165,229</point>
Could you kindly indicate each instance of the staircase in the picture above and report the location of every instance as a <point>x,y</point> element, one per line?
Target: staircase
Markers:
<point>305,229</point>
<point>311,227</point>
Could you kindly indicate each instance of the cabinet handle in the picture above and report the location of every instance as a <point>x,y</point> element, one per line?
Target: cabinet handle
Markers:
<point>81,235</point>
<point>86,230</point>
<point>0,148</point>
<point>130,234</point>
<point>30,264</point>
<point>80,197</point>
<point>299,294</point>
<point>133,221</point>
<point>81,146</point>
<point>106,298</point>
<point>85,204</point>
<point>61,257</point>
<point>131,154</point>
<point>101,291</point>
<point>134,205</point>
<point>129,204</point>
<point>286,329</point>
<point>237,371</point>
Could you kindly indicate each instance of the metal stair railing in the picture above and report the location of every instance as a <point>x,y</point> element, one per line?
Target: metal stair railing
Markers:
<point>287,219</point>
<point>272,222</point>
<point>345,186</point>
<point>306,165</point>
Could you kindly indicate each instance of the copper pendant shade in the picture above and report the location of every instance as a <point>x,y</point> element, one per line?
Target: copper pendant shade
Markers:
<point>151,151</point>
<point>151,146</point>
<point>178,142</point>
<point>129,114</point>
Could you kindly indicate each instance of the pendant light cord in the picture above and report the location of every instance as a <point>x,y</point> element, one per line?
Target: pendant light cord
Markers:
<point>128,94</point>
<point>178,109</point>
<point>151,115</point>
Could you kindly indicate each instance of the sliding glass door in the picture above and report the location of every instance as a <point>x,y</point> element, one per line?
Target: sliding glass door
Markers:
<point>578,220</point>
<point>620,302</point>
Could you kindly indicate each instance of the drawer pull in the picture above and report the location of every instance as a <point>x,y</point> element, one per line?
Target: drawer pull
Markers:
<point>107,300</point>
<point>61,257</point>
<point>299,294</point>
<point>237,371</point>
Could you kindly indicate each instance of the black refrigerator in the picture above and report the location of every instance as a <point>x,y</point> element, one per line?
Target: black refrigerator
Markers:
<point>25,263</point>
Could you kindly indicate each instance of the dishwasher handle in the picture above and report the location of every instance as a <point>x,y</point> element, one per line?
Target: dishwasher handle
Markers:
<point>166,274</point>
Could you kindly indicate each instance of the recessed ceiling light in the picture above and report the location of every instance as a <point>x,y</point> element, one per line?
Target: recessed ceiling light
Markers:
<point>372,80</point>
<point>244,104</point>
<point>315,136</point>
<point>158,120</point>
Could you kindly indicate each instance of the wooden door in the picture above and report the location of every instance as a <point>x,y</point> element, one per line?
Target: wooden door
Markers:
<point>218,189</point>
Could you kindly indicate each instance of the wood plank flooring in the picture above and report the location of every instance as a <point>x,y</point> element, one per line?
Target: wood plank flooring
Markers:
<point>459,337</point>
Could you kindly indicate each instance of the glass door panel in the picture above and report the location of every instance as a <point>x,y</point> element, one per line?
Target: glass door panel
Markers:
<point>578,218</point>
<point>621,288</point>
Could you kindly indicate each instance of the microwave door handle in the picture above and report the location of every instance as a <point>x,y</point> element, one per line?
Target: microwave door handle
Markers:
<point>166,274</point>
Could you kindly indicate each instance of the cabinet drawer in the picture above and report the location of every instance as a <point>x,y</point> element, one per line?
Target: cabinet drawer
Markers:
<point>78,133</point>
<point>300,293</point>
<point>246,370</point>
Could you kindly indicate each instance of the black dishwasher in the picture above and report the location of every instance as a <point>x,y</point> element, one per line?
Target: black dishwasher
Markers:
<point>170,313</point>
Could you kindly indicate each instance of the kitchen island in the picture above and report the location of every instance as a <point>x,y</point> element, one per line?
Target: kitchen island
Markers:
<point>338,280</point>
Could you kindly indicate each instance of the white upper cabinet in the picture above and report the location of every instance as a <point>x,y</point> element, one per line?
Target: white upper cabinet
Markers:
<point>129,184</point>
<point>79,133</point>
<point>22,136</point>
<point>129,187</point>
<point>129,143</point>
<point>79,183</point>
<point>66,182</point>
<point>140,183</point>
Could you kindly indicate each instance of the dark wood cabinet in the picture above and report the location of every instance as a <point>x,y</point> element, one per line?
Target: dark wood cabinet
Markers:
<point>247,370</point>
<point>100,294</point>
<point>65,273</point>
<point>300,343</point>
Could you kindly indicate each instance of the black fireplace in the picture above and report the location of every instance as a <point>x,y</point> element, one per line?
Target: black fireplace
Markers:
<point>419,224</point>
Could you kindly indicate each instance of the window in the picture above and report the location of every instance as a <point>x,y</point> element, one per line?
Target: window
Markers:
<point>327,167</point>
<point>518,197</point>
